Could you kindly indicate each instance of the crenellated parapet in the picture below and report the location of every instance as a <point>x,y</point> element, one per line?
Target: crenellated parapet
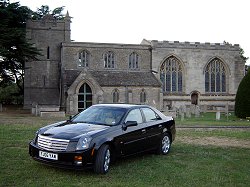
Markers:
<point>49,24</point>
<point>191,45</point>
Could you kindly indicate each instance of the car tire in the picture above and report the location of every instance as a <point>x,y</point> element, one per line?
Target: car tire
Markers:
<point>164,145</point>
<point>102,161</point>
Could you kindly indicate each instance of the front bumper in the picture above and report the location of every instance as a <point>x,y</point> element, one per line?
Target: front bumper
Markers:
<point>65,159</point>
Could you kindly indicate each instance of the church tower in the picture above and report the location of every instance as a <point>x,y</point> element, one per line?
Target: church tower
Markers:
<point>43,76</point>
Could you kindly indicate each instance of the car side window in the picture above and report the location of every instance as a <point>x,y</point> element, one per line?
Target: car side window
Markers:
<point>134,115</point>
<point>150,115</point>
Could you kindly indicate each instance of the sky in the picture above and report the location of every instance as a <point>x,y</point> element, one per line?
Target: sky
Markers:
<point>131,21</point>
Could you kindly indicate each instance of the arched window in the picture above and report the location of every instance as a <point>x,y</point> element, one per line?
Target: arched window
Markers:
<point>143,96</point>
<point>171,75</point>
<point>133,61</point>
<point>215,76</point>
<point>83,60</point>
<point>115,96</point>
<point>48,52</point>
<point>109,60</point>
<point>84,97</point>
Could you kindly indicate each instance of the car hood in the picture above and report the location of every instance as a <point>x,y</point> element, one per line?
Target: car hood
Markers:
<point>72,130</point>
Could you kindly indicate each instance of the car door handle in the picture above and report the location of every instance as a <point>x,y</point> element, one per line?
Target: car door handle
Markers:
<point>160,126</point>
<point>143,130</point>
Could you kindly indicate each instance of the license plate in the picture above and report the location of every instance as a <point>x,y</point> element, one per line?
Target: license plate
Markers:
<point>51,156</point>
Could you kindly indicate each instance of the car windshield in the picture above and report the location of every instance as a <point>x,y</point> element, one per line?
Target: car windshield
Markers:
<point>100,115</point>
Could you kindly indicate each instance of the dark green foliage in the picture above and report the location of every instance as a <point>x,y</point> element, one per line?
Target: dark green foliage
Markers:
<point>242,55</point>
<point>242,101</point>
<point>241,52</point>
<point>15,50</point>
<point>44,10</point>
<point>10,94</point>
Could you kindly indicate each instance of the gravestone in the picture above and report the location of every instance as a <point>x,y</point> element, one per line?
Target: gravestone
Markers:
<point>182,111</point>
<point>197,111</point>
<point>175,110</point>
<point>226,111</point>
<point>188,113</point>
<point>182,116</point>
<point>218,115</point>
<point>218,112</point>
<point>204,108</point>
<point>184,108</point>
<point>34,110</point>
<point>192,109</point>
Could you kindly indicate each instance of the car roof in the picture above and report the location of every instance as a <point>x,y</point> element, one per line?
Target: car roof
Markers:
<point>120,105</point>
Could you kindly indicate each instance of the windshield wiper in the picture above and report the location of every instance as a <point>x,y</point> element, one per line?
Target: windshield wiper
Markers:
<point>92,122</point>
<point>80,122</point>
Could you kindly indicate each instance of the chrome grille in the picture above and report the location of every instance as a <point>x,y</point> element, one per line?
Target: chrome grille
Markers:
<point>52,144</point>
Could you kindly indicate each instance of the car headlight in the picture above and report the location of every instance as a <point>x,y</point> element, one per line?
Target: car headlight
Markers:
<point>83,143</point>
<point>36,137</point>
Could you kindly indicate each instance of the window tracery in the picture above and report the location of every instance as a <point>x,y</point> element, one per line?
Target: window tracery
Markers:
<point>171,75</point>
<point>109,60</point>
<point>133,61</point>
<point>84,97</point>
<point>83,60</point>
<point>215,76</point>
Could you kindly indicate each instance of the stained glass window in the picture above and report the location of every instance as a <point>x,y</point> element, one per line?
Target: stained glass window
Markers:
<point>171,75</point>
<point>215,76</point>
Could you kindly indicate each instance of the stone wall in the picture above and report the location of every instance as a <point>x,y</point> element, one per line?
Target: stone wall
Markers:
<point>46,82</point>
<point>194,57</point>
<point>104,94</point>
<point>132,95</point>
<point>42,77</point>
<point>96,50</point>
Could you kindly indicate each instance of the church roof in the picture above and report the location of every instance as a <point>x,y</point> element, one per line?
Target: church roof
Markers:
<point>121,78</point>
<point>116,78</point>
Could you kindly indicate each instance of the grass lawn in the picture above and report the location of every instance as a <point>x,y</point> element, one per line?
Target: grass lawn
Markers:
<point>188,164</point>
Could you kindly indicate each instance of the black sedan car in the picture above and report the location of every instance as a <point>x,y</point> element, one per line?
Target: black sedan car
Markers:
<point>101,133</point>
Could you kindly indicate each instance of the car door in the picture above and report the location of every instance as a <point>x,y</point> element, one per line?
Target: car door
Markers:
<point>154,127</point>
<point>133,138</point>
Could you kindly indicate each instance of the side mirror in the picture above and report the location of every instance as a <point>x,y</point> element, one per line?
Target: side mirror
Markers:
<point>129,124</point>
<point>70,118</point>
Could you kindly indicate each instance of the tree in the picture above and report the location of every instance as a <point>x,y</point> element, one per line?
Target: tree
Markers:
<point>10,94</point>
<point>15,50</point>
<point>241,52</point>
<point>242,55</point>
<point>44,10</point>
<point>242,100</point>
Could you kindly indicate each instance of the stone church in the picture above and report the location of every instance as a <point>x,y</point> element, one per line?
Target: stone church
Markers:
<point>75,75</point>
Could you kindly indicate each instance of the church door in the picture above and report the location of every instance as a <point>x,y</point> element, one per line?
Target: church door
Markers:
<point>84,97</point>
<point>194,98</point>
